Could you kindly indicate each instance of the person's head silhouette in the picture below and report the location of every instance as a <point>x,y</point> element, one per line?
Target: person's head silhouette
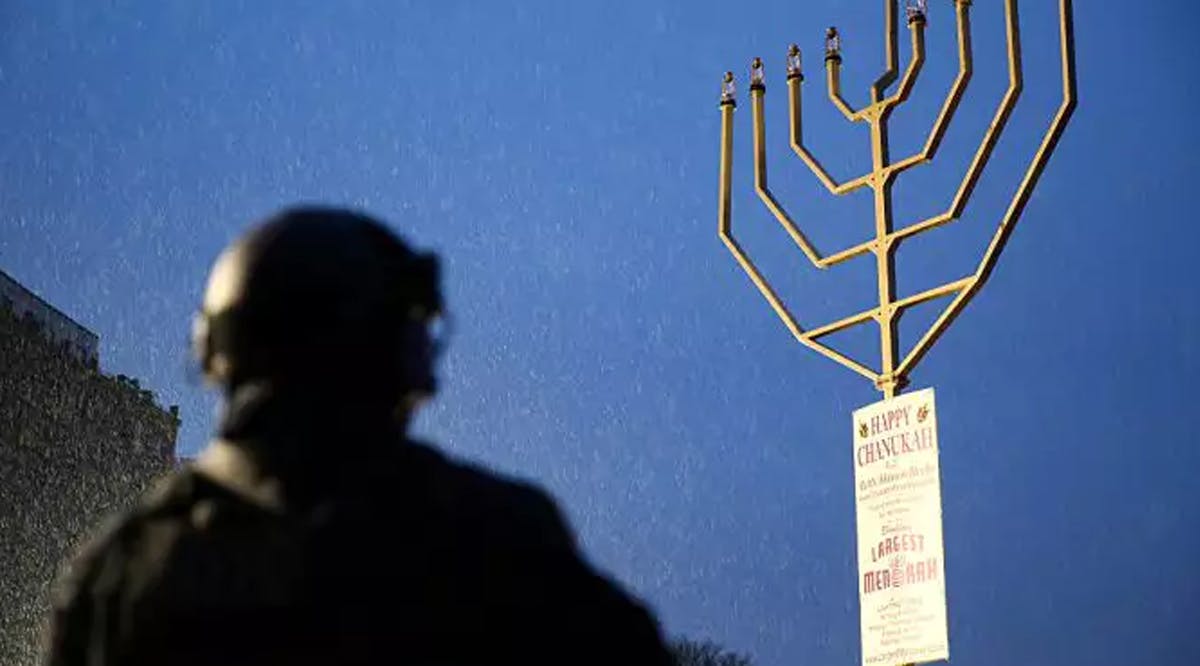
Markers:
<point>321,301</point>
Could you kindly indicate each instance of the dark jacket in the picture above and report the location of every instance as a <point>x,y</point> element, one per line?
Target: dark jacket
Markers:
<point>380,551</point>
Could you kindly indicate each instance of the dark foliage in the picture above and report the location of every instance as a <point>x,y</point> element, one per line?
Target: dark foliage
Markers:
<point>706,653</point>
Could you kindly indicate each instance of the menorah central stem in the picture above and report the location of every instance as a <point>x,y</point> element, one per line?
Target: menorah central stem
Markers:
<point>886,316</point>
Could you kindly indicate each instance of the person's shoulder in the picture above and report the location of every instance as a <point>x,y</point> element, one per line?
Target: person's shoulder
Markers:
<point>508,500</point>
<point>104,550</point>
<point>470,475</point>
<point>510,510</point>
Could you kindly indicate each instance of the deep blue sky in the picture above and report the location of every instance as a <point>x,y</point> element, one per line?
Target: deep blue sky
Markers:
<point>563,156</point>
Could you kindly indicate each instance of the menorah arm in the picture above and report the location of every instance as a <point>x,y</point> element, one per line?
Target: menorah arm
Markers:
<point>786,316</point>
<point>891,50</point>
<point>917,28</point>
<point>833,80</point>
<point>984,153</point>
<point>724,230</point>
<point>1036,167</point>
<point>797,141</point>
<point>953,99</point>
<point>760,180</point>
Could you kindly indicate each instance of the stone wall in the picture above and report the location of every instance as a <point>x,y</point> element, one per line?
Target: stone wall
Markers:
<point>75,445</point>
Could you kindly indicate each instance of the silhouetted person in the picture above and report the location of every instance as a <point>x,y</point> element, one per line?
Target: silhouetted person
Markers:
<point>311,530</point>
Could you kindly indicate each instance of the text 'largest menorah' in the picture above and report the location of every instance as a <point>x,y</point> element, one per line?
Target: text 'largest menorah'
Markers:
<point>894,369</point>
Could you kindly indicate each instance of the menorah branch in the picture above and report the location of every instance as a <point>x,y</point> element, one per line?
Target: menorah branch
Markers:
<point>890,50</point>
<point>917,29</point>
<point>725,232</point>
<point>988,144</point>
<point>843,324</point>
<point>795,104</point>
<point>953,98</point>
<point>1034,173</point>
<point>1053,134</point>
<point>757,92</point>
<point>833,79</point>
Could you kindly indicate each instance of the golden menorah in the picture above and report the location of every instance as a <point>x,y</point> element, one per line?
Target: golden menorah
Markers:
<point>893,372</point>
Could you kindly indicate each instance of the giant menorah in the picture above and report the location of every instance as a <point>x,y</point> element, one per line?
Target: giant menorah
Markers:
<point>893,368</point>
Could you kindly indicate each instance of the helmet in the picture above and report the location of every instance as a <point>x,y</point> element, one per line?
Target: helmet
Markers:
<point>321,298</point>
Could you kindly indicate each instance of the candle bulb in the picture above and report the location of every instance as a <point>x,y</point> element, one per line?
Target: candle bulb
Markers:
<point>757,78</point>
<point>728,90</point>
<point>793,61</point>
<point>833,43</point>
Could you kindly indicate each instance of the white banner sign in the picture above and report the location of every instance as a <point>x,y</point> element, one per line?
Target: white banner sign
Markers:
<point>898,502</point>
